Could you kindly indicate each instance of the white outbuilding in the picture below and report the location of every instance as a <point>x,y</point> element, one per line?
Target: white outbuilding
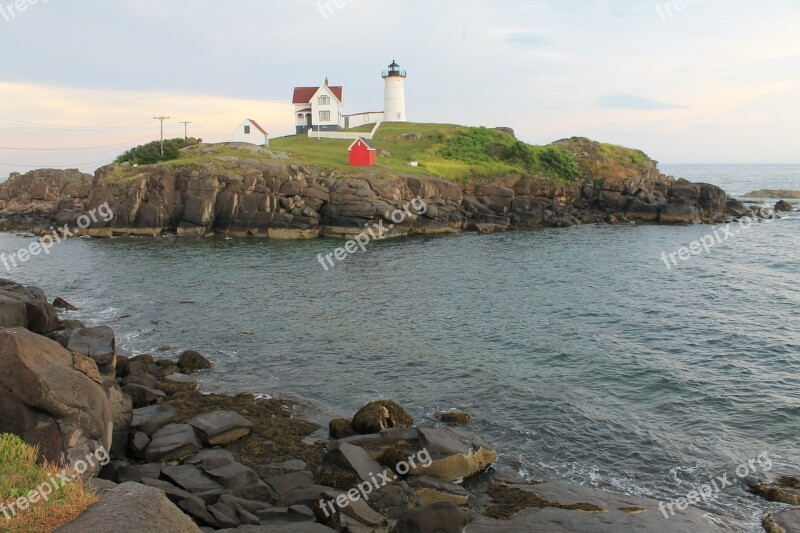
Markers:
<point>250,132</point>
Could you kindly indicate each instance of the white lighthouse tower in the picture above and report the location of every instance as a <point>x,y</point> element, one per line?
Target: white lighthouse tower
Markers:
<point>395,94</point>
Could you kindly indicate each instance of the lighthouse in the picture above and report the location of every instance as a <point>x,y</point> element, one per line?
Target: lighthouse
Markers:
<point>395,94</point>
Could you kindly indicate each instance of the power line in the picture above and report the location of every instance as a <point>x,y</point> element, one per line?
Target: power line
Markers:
<point>72,165</point>
<point>70,128</point>
<point>69,149</point>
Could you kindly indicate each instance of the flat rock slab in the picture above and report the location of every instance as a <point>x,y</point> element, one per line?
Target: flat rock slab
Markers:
<point>97,343</point>
<point>132,507</point>
<point>173,442</point>
<point>190,478</point>
<point>233,475</point>
<point>288,482</point>
<point>149,419</point>
<point>612,520</point>
<point>221,427</point>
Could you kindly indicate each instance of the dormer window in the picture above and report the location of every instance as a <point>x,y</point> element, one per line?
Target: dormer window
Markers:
<point>325,100</point>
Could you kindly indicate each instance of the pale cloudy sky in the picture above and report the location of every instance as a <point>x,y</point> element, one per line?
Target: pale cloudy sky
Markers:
<point>712,82</point>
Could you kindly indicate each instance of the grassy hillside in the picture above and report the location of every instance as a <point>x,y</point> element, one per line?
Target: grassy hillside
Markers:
<point>451,152</point>
<point>443,150</point>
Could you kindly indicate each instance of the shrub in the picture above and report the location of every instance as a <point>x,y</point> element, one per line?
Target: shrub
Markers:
<point>150,153</point>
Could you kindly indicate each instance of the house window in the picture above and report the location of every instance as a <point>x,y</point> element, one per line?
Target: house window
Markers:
<point>366,118</point>
<point>247,130</point>
<point>324,100</point>
<point>324,116</point>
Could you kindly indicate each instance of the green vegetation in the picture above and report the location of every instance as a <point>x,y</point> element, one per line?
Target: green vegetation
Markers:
<point>456,153</point>
<point>442,150</point>
<point>19,475</point>
<point>150,153</point>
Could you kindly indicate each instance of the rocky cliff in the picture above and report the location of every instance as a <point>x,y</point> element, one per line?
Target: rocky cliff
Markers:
<point>265,197</point>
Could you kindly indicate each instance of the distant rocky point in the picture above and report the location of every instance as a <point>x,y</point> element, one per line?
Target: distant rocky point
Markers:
<point>774,194</point>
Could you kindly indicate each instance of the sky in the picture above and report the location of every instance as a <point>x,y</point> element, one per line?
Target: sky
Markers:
<point>703,81</point>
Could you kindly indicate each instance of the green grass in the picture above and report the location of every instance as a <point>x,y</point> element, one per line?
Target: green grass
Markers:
<point>448,151</point>
<point>438,149</point>
<point>19,475</point>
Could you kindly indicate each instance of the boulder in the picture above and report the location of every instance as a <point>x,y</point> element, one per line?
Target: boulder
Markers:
<point>41,317</point>
<point>221,427</point>
<point>13,313</point>
<point>49,402</point>
<point>61,303</point>
<point>172,442</point>
<point>377,416</point>
<point>233,476</point>
<point>784,206</point>
<point>286,483</point>
<point>339,428</point>
<point>97,343</point>
<point>191,361</point>
<point>122,414</point>
<point>133,507</point>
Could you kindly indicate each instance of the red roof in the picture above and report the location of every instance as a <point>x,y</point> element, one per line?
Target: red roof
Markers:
<point>303,95</point>
<point>259,128</point>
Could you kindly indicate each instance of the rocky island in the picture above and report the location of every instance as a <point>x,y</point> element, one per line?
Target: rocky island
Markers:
<point>478,180</point>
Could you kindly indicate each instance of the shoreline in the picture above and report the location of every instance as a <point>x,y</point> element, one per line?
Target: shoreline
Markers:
<point>486,490</point>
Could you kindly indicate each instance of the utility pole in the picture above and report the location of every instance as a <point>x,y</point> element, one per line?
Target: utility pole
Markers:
<point>185,129</point>
<point>162,119</point>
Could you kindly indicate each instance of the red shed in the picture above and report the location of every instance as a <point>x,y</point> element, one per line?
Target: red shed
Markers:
<point>362,153</point>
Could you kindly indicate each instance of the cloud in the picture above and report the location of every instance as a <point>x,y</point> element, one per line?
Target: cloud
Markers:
<point>633,102</point>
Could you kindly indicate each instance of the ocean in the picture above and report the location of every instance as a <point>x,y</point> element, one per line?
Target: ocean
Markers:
<point>584,354</point>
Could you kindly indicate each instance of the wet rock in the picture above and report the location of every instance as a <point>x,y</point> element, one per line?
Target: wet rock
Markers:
<point>455,417</point>
<point>137,507</point>
<point>444,517</point>
<point>221,427</point>
<point>177,382</point>
<point>60,303</point>
<point>377,416</point>
<point>172,442</point>
<point>149,419</point>
<point>783,206</point>
<point>785,489</point>
<point>191,361</point>
<point>339,428</point>
<point>97,343</point>
<point>783,522</point>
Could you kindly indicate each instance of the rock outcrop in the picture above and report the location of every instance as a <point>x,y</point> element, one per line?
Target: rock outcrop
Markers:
<point>52,399</point>
<point>274,199</point>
